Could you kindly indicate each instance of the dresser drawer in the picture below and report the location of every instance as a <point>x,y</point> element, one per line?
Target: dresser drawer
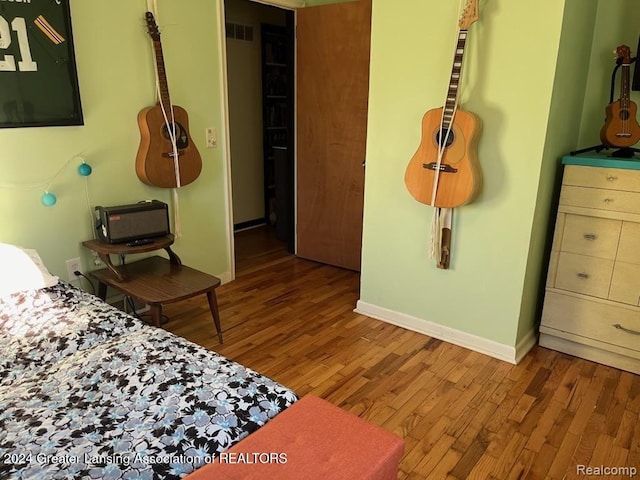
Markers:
<point>553,269</point>
<point>629,249</point>
<point>610,325</point>
<point>600,177</point>
<point>593,236</point>
<point>583,274</point>
<point>558,232</point>
<point>601,199</point>
<point>625,284</point>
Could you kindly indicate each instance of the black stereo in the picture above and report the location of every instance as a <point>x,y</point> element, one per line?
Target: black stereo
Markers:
<point>125,223</point>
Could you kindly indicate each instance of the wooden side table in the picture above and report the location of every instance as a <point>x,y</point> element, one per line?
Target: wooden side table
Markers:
<point>155,281</point>
<point>105,250</point>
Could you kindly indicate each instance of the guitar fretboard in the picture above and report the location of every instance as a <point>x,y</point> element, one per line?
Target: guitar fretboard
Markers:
<point>454,81</point>
<point>624,88</point>
<point>162,76</point>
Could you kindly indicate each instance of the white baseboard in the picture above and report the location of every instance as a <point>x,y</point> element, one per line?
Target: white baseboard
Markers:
<point>225,277</point>
<point>526,344</point>
<point>494,349</point>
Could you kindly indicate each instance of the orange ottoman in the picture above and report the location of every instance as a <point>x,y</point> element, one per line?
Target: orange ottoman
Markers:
<point>312,439</point>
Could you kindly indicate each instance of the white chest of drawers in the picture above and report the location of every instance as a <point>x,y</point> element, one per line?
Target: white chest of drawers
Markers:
<point>592,298</point>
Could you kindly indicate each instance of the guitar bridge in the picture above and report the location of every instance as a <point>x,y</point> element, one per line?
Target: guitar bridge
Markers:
<point>171,154</point>
<point>443,167</point>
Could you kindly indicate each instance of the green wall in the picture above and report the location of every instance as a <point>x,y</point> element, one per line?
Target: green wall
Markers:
<point>508,81</point>
<point>617,23</point>
<point>591,31</point>
<point>535,77</point>
<point>115,68</point>
<point>563,129</point>
<point>315,3</point>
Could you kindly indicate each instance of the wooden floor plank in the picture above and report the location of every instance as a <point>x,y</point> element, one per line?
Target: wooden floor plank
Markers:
<point>462,414</point>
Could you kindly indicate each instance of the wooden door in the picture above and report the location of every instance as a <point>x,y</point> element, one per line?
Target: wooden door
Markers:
<point>333,43</point>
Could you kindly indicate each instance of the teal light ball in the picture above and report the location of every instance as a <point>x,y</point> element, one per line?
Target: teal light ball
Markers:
<point>85,169</point>
<point>49,199</point>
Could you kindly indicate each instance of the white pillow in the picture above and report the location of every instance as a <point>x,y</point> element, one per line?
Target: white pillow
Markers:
<point>22,269</point>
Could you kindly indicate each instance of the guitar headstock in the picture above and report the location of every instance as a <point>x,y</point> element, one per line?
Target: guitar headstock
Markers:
<point>624,52</point>
<point>469,15</point>
<point>152,27</point>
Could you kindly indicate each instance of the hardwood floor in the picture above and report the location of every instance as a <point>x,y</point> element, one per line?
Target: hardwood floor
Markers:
<point>462,414</point>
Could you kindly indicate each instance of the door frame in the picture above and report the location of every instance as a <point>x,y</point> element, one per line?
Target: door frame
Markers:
<point>226,145</point>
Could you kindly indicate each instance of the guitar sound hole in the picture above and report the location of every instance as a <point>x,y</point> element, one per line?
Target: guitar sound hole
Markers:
<point>440,140</point>
<point>182,139</point>
<point>624,114</point>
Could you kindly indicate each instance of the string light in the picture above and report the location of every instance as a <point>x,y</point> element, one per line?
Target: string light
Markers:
<point>84,169</point>
<point>48,198</point>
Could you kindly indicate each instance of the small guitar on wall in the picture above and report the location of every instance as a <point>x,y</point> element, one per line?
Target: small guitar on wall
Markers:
<point>444,172</point>
<point>167,157</point>
<point>621,128</point>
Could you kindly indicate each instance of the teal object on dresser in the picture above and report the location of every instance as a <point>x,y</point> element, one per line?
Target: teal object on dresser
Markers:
<point>592,295</point>
<point>602,161</point>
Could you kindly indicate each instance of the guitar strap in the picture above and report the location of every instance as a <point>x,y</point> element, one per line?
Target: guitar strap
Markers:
<point>440,248</point>
<point>171,129</point>
<point>442,219</point>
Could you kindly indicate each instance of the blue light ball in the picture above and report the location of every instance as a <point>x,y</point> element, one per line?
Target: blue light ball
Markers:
<point>84,169</point>
<point>48,199</point>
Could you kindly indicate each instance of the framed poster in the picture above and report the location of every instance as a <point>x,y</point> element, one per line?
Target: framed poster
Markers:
<point>38,78</point>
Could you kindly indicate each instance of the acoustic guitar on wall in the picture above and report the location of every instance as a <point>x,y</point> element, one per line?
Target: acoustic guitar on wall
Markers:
<point>444,172</point>
<point>621,128</point>
<point>167,157</point>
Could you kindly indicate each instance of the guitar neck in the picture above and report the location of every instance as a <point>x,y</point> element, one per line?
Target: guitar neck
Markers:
<point>624,86</point>
<point>165,100</point>
<point>454,81</point>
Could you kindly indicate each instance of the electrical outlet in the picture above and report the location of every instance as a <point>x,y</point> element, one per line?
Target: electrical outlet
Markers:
<point>212,141</point>
<point>73,265</point>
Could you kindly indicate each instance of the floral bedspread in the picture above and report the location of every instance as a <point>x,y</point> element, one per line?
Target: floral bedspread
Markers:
<point>87,391</point>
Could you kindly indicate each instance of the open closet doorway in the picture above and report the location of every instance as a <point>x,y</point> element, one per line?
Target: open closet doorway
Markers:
<point>260,83</point>
<point>324,178</point>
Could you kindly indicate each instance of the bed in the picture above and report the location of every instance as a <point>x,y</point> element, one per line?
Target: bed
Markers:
<point>87,391</point>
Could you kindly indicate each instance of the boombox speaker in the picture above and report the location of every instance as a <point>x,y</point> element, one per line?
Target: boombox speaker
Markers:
<point>125,223</point>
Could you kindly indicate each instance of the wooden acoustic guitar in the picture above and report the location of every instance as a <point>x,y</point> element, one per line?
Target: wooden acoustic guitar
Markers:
<point>621,128</point>
<point>444,172</point>
<point>163,127</point>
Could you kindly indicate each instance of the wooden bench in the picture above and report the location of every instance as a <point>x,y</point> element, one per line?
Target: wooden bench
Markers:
<point>312,439</point>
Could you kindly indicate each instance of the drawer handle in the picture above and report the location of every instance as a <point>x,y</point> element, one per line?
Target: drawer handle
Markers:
<point>583,275</point>
<point>620,327</point>
<point>608,200</point>
<point>611,178</point>
<point>590,236</point>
